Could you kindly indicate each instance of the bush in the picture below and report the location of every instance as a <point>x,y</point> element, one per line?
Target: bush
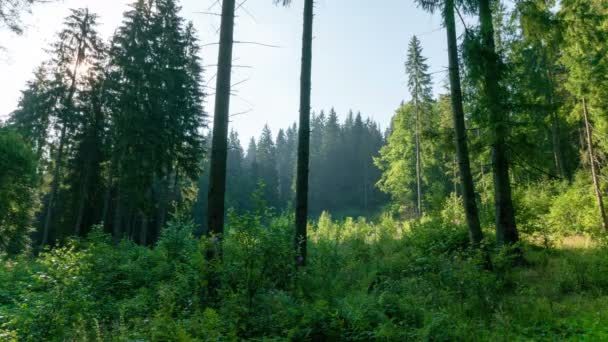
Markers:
<point>364,281</point>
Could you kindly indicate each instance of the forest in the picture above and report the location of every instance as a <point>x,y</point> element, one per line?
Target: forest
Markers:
<point>128,212</point>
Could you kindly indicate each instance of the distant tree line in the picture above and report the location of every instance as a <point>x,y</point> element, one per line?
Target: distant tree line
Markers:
<point>342,174</point>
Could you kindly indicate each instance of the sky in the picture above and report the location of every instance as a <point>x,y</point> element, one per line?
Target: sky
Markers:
<point>359,49</point>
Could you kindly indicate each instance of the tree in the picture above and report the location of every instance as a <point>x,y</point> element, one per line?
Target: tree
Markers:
<point>460,132</point>
<point>594,173</point>
<point>419,84</point>
<point>156,116</point>
<point>266,157</point>
<point>397,160</point>
<point>236,182</point>
<point>34,111</point>
<point>534,56</point>
<point>585,28</point>
<point>76,41</point>
<point>285,160</point>
<point>219,144</point>
<point>506,229</point>
<point>303,134</point>
<point>18,183</point>
<point>89,144</point>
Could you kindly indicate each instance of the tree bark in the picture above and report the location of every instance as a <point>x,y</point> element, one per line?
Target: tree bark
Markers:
<point>555,129</point>
<point>557,149</point>
<point>117,225</point>
<point>506,229</point>
<point>219,144</point>
<point>304,137</point>
<point>418,162</point>
<point>596,181</point>
<point>83,194</point>
<point>164,198</point>
<point>143,232</point>
<point>108,194</point>
<point>460,132</point>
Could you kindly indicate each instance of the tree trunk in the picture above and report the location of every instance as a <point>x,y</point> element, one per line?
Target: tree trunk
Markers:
<point>596,181</point>
<point>219,144</point>
<point>117,226</point>
<point>68,105</point>
<point>304,137</point>
<point>555,129</point>
<point>143,232</point>
<point>460,132</point>
<point>54,187</point>
<point>506,230</point>
<point>83,194</point>
<point>557,150</point>
<point>418,162</point>
<point>176,191</point>
<point>164,198</point>
<point>108,193</point>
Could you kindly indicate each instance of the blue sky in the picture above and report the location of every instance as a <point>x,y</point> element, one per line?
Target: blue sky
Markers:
<point>358,54</point>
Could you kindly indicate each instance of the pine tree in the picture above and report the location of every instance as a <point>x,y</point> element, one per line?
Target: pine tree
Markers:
<point>419,84</point>
<point>331,174</point>
<point>267,167</point>
<point>236,183</point>
<point>284,148</point>
<point>506,229</point>
<point>34,111</point>
<point>90,141</point>
<point>76,42</point>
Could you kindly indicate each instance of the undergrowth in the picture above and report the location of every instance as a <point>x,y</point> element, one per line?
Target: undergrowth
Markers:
<point>364,281</point>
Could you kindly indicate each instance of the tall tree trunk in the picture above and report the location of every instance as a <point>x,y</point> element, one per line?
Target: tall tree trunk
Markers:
<point>117,225</point>
<point>219,147</point>
<point>164,198</point>
<point>460,132</point>
<point>54,188</point>
<point>83,195</point>
<point>108,194</point>
<point>143,232</point>
<point>304,137</point>
<point>557,149</point>
<point>506,229</point>
<point>555,129</point>
<point>176,191</point>
<point>596,181</point>
<point>418,162</point>
<point>219,144</point>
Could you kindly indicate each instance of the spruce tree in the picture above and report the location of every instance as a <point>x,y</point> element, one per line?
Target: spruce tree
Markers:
<point>76,42</point>
<point>420,87</point>
<point>267,167</point>
<point>506,229</point>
